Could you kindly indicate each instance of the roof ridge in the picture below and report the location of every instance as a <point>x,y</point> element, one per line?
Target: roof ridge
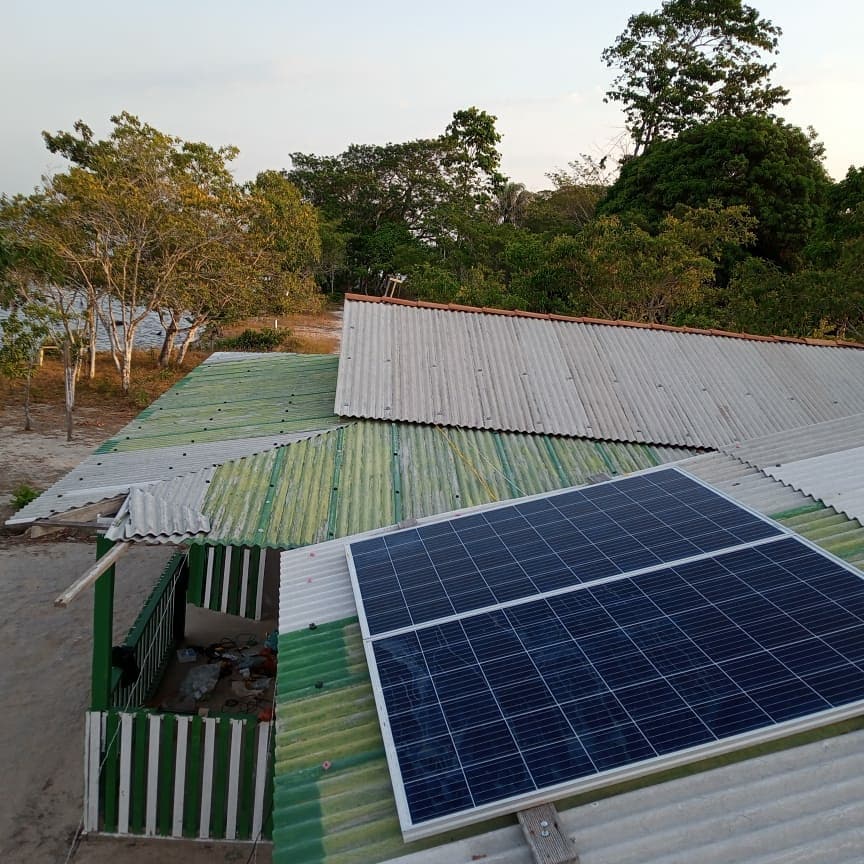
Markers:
<point>517,313</point>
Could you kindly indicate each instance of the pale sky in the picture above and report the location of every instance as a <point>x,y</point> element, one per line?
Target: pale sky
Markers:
<point>273,78</point>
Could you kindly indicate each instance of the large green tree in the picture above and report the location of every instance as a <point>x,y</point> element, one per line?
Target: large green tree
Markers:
<point>143,221</point>
<point>396,206</point>
<point>772,168</point>
<point>690,62</point>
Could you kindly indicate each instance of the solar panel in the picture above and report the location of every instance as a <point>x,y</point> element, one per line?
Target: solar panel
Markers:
<point>543,544</point>
<point>492,710</point>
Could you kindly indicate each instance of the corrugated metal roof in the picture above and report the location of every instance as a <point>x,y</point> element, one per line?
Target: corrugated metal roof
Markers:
<point>334,803</point>
<point>835,478</point>
<point>224,409</point>
<point>368,474</point>
<point>403,361</point>
<point>832,436</point>
<point>230,399</point>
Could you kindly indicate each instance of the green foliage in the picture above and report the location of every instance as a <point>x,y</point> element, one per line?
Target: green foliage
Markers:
<point>773,169</point>
<point>617,270</point>
<point>22,495</point>
<point>392,208</point>
<point>689,62</point>
<point>255,340</point>
<point>149,222</point>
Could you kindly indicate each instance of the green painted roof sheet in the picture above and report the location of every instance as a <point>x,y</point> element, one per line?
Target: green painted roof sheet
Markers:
<point>228,399</point>
<point>333,799</point>
<point>372,473</point>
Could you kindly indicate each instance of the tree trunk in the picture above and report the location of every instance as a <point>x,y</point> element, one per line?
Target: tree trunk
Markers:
<point>91,324</point>
<point>168,344</point>
<point>70,373</point>
<point>191,333</point>
<point>28,421</point>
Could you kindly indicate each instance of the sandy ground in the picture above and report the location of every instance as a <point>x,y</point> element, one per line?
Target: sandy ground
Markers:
<point>44,676</point>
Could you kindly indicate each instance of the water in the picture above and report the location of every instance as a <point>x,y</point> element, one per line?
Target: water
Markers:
<point>150,332</point>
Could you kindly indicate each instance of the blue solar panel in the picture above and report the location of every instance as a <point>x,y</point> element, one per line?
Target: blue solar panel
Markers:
<point>501,704</point>
<point>544,544</point>
<point>542,644</point>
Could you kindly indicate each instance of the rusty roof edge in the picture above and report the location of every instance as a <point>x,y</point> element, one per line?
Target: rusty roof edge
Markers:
<point>642,325</point>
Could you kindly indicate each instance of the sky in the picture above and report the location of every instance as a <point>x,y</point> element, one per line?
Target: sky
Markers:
<point>274,78</point>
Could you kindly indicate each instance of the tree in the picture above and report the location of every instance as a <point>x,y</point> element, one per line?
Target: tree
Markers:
<point>264,264</point>
<point>773,169</point>
<point>617,270</point>
<point>511,203</point>
<point>692,61</point>
<point>397,205</point>
<point>143,221</point>
<point>22,336</point>
<point>52,298</point>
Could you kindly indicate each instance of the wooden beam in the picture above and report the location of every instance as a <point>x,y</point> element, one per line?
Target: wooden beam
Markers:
<point>103,564</point>
<point>548,843</point>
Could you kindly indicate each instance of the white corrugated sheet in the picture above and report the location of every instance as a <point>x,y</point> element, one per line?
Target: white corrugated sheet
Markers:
<point>107,475</point>
<point>832,436</point>
<point>524,374</point>
<point>837,479</point>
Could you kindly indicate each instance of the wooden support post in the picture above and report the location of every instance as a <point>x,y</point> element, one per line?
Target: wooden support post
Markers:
<point>103,626</point>
<point>549,844</point>
<point>195,590</point>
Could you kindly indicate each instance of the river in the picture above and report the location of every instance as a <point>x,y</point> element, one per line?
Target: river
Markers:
<point>150,333</point>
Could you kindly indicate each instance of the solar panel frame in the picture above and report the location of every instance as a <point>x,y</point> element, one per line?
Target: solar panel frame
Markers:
<point>412,828</point>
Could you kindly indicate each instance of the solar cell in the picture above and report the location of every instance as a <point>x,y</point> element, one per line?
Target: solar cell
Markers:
<point>494,709</point>
<point>544,544</point>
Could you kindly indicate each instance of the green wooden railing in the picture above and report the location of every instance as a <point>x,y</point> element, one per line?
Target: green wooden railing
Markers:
<point>154,635</point>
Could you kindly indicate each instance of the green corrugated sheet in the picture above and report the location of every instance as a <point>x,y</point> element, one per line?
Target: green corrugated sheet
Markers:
<point>245,398</point>
<point>371,473</point>
<point>333,801</point>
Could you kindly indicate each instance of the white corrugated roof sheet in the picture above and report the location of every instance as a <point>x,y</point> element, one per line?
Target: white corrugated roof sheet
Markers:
<point>825,460</point>
<point>406,361</point>
<point>837,479</point>
<point>107,475</point>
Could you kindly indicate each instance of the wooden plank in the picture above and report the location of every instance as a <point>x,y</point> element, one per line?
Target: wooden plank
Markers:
<point>244,813</point>
<point>109,772</point>
<point>154,722</point>
<point>124,796</point>
<point>262,769</point>
<point>207,777</point>
<point>226,579</point>
<point>542,830</point>
<point>103,624</point>
<point>259,590</point>
<point>192,801</point>
<point>220,780</point>
<point>166,773</point>
<point>92,757</point>
<point>244,581</point>
<point>208,575</point>
<point>233,779</point>
<point>139,772</point>
<point>180,775</point>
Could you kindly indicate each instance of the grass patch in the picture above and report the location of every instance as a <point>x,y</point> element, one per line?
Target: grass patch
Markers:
<point>22,495</point>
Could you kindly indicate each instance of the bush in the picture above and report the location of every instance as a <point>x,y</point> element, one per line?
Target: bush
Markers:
<point>254,340</point>
<point>23,495</point>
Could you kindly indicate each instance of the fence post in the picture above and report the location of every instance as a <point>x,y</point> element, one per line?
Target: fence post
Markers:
<point>103,624</point>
